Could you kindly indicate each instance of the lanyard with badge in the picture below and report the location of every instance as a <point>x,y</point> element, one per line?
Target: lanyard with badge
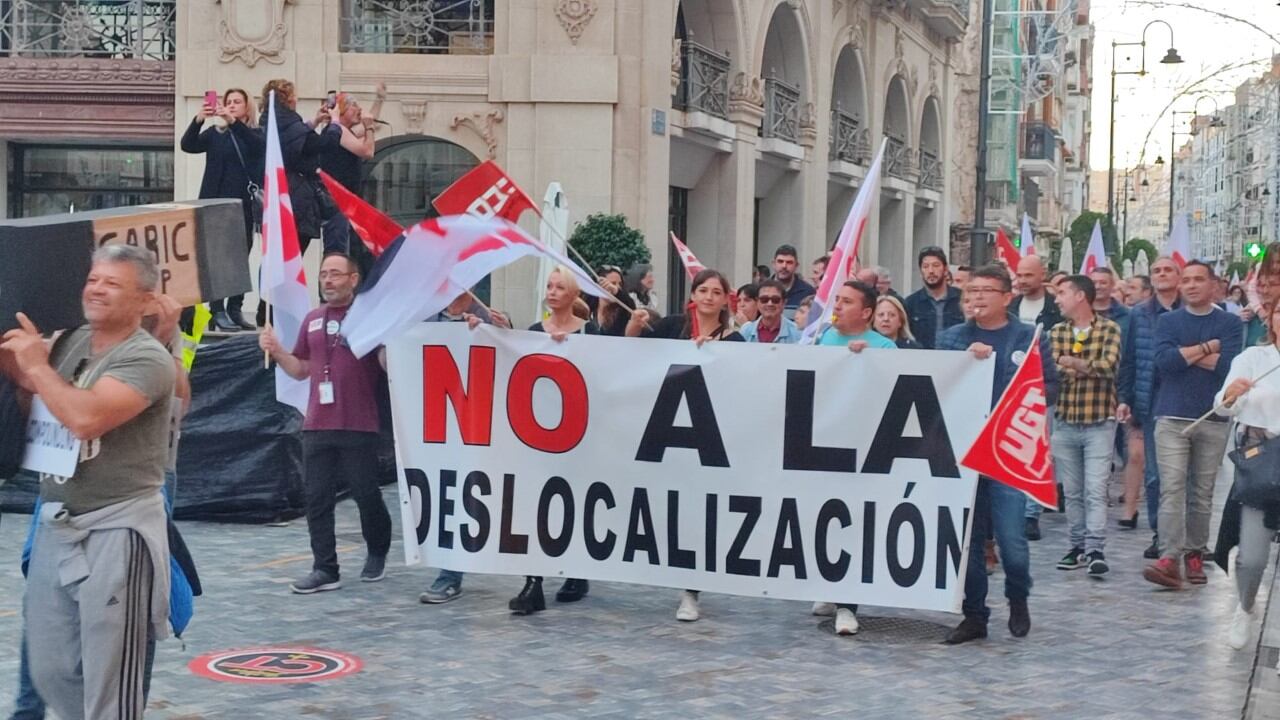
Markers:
<point>331,340</point>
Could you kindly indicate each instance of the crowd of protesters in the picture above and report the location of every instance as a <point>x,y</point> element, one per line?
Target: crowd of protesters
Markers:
<point>1155,375</point>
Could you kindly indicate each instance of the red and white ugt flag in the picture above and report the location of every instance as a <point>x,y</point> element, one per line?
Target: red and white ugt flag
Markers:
<point>1013,447</point>
<point>485,192</point>
<point>691,264</point>
<point>1096,256</point>
<point>283,282</point>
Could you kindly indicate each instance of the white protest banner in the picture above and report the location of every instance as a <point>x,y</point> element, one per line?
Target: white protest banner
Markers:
<point>804,473</point>
<point>51,448</point>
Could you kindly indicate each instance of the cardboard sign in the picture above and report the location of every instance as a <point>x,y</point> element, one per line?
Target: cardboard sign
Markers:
<point>199,245</point>
<point>170,235</point>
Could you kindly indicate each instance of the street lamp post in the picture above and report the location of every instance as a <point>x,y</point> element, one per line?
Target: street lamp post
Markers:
<point>1171,57</point>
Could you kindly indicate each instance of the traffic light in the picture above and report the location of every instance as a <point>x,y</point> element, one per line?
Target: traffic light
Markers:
<point>1254,251</point>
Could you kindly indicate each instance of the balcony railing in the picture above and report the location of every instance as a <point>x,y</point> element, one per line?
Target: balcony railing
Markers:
<point>849,142</point>
<point>930,170</point>
<point>781,110</point>
<point>704,80</point>
<point>1041,144</point>
<point>897,158</point>
<point>109,29</point>
<point>453,27</point>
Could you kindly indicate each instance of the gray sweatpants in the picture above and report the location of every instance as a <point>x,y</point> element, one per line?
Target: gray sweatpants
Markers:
<point>88,639</point>
<point>1251,558</point>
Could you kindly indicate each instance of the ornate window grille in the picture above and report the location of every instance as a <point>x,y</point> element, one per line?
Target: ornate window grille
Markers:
<point>455,27</point>
<point>897,158</point>
<point>930,170</point>
<point>1040,142</point>
<point>849,142</point>
<point>781,110</point>
<point>704,80</point>
<point>109,29</point>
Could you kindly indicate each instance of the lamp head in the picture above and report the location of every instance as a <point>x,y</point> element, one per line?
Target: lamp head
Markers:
<point>1171,57</point>
<point>1159,160</point>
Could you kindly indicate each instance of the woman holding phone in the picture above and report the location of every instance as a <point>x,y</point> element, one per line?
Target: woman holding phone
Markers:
<point>233,150</point>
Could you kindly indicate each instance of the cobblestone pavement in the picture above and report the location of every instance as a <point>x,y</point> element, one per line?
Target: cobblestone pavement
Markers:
<point>1115,648</point>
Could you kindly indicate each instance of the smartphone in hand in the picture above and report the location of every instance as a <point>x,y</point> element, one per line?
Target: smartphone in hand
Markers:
<point>331,100</point>
<point>211,98</point>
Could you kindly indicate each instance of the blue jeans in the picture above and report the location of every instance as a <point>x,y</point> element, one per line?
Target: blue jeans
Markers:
<point>451,576</point>
<point>1034,509</point>
<point>1082,457</point>
<point>28,705</point>
<point>1000,508</point>
<point>1151,473</point>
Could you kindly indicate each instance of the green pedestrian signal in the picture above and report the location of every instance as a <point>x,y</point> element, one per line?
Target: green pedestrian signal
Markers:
<point>1254,250</point>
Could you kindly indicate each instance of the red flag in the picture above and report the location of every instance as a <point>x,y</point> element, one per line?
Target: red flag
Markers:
<point>485,192</point>
<point>1013,447</point>
<point>691,264</point>
<point>1006,251</point>
<point>376,230</point>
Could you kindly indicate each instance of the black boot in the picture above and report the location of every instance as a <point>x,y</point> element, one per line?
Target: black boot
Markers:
<point>234,311</point>
<point>530,599</point>
<point>969,629</point>
<point>1019,618</point>
<point>222,322</point>
<point>572,590</point>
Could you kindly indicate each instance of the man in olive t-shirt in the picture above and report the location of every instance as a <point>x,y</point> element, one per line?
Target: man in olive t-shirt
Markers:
<point>98,583</point>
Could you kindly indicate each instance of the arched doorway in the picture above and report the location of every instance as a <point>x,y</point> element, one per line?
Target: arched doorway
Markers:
<point>849,140</point>
<point>779,188</point>
<point>929,179</point>
<point>407,172</point>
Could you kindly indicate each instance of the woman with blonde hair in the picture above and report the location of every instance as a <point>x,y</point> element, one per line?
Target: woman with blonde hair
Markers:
<point>891,321</point>
<point>563,296</point>
<point>233,151</point>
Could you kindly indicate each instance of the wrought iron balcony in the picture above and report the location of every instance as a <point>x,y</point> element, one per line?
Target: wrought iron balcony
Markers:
<point>930,170</point>
<point>704,81</point>
<point>897,158</point>
<point>1041,144</point>
<point>105,29</point>
<point>444,27</point>
<point>781,110</point>
<point>849,142</point>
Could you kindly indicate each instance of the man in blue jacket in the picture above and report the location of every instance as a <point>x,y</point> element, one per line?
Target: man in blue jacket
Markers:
<point>993,333</point>
<point>936,306</point>
<point>1139,380</point>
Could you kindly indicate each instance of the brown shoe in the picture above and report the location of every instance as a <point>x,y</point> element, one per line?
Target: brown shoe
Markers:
<point>1195,569</point>
<point>1164,572</point>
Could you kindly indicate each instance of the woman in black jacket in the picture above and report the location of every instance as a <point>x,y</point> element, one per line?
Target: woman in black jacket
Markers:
<point>300,149</point>
<point>233,149</point>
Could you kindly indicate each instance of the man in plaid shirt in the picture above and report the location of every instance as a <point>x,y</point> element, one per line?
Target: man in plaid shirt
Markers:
<point>1086,350</point>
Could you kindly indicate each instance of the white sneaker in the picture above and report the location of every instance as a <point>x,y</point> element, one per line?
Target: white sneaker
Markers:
<point>822,609</point>
<point>1238,634</point>
<point>846,622</point>
<point>688,610</point>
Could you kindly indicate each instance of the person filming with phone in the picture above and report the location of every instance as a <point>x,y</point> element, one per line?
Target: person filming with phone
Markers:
<point>226,132</point>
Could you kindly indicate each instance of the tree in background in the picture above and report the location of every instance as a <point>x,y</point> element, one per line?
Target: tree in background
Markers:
<point>608,240</point>
<point>1136,246</point>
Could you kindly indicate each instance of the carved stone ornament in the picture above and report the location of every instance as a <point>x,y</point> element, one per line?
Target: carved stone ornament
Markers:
<point>482,124</point>
<point>747,89</point>
<point>574,15</point>
<point>415,114</point>
<point>809,116</point>
<point>897,43</point>
<point>933,77</point>
<point>858,35</point>
<point>252,31</point>
<point>676,63</point>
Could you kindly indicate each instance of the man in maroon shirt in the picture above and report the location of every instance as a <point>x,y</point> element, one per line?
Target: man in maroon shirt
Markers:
<point>340,433</point>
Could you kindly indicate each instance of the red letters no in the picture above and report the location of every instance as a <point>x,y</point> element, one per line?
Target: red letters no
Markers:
<point>573,395</point>
<point>473,407</point>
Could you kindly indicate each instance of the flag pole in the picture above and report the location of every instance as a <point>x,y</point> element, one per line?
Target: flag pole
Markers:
<point>1223,405</point>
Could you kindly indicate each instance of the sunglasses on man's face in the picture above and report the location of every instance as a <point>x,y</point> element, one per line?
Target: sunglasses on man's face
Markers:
<point>770,300</point>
